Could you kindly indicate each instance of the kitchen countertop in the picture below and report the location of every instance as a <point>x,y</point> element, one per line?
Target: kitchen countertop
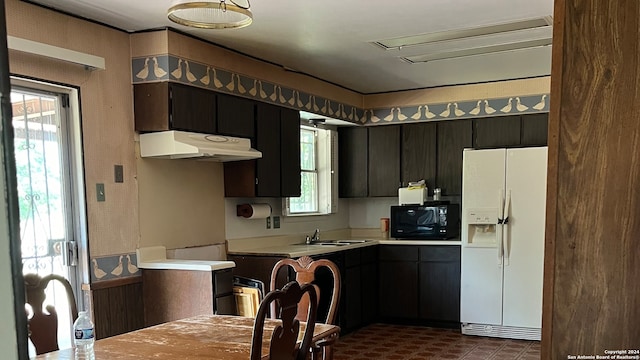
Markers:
<point>155,257</point>
<point>297,250</point>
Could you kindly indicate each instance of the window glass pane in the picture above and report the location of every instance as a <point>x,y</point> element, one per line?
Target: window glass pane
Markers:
<point>307,149</point>
<point>308,201</point>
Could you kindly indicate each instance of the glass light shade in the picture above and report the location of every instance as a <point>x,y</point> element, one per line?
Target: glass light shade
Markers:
<point>211,14</point>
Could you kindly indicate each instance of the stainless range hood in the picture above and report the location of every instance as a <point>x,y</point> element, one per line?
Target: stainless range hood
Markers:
<point>187,145</point>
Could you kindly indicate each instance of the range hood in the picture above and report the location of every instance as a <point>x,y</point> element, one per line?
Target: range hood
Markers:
<point>188,145</point>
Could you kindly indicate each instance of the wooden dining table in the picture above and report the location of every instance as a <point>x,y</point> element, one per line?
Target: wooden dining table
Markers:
<point>219,337</point>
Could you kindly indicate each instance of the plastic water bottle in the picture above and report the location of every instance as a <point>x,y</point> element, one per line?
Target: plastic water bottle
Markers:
<point>83,337</point>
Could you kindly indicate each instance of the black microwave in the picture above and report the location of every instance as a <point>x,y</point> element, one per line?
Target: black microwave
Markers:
<point>431,221</point>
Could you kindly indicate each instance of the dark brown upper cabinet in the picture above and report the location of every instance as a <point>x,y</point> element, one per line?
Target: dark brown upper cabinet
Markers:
<point>352,164</point>
<point>290,184</point>
<point>453,138</point>
<point>419,153</point>
<point>534,129</point>
<point>170,106</point>
<point>497,132</point>
<point>384,160</point>
<point>277,173</point>
<point>236,116</point>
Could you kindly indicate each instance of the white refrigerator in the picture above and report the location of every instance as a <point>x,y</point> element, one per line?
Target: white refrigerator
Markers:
<point>503,225</point>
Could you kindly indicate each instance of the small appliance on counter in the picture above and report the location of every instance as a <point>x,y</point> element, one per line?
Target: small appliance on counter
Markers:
<point>414,194</point>
<point>434,220</point>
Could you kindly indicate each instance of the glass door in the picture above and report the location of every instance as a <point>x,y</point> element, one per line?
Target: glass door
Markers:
<point>45,191</point>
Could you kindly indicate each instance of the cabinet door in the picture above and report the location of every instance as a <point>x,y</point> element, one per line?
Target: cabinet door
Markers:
<point>384,160</point>
<point>268,142</point>
<point>453,137</point>
<point>534,129</point>
<point>352,285</point>
<point>419,153</point>
<point>440,283</point>
<point>369,288</point>
<point>497,132</point>
<point>352,164</point>
<point>290,153</point>
<point>398,290</point>
<point>169,106</point>
<point>236,116</point>
<point>192,109</point>
<point>398,281</point>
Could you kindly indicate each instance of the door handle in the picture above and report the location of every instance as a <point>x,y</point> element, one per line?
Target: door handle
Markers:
<point>499,226</point>
<point>505,237</point>
<point>70,253</point>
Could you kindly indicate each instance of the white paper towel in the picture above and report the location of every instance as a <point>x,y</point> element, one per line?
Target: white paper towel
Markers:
<point>254,211</point>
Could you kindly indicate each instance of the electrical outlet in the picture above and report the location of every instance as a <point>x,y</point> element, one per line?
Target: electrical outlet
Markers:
<point>100,192</point>
<point>276,222</point>
<point>118,173</point>
<point>268,223</point>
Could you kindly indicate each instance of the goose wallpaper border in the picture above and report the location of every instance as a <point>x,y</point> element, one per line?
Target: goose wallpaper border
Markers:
<point>177,69</point>
<point>113,267</point>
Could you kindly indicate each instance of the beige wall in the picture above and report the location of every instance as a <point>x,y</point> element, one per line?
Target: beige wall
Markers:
<point>167,188</point>
<point>107,113</point>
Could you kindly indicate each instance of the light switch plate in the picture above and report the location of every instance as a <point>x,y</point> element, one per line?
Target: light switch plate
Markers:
<point>276,222</point>
<point>268,223</point>
<point>118,173</point>
<point>100,192</point>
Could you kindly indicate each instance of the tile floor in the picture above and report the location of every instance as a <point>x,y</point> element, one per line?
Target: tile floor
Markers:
<point>395,342</point>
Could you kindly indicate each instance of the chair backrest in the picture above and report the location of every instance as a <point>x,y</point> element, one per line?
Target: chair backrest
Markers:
<point>305,268</point>
<point>43,327</point>
<point>285,337</point>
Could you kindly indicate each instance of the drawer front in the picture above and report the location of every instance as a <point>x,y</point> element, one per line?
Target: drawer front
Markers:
<point>352,258</point>
<point>369,254</point>
<point>444,253</point>
<point>398,253</point>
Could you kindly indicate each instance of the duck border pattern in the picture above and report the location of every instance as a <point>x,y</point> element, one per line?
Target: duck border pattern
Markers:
<point>177,69</point>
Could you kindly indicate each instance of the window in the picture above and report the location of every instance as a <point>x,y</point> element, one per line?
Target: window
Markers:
<point>318,175</point>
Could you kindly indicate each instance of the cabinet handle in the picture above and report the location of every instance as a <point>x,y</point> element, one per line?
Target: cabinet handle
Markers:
<point>256,181</point>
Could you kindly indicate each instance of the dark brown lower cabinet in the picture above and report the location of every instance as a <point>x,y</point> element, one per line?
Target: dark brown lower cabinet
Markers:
<point>439,274</point>
<point>420,284</point>
<point>398,280</point>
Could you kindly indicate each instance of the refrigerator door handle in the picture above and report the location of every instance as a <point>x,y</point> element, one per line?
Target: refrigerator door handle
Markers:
<point>499,227</point>
<point>505,243</point>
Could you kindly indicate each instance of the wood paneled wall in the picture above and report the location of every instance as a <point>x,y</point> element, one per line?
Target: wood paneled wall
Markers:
<point>117,306</point>
<point>592,261</point>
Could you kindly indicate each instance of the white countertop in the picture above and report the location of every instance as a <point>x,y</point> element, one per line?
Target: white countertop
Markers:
<point>297,250</point>
<point>155,257</point>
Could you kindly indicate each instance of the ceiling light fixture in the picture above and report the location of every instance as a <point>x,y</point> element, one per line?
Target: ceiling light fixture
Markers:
<point>220,14</point>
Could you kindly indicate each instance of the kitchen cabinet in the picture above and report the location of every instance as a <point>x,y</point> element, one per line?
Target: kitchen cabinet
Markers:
<point>352,164</point>
<point>534,129</point>
<point>420,284</point>
<point>359,288</point>
<point>439,274</point>
<point>236,117</point>
<point>452,137</point>
<point>398,282</point>
<point>290,184</point>
<point>277,173</point>
<point>496,132</point>
<point>384,160</point>
<point>419,153</point>
<point>171,106</point>
<point>510,131</point>
<point>176,294</point>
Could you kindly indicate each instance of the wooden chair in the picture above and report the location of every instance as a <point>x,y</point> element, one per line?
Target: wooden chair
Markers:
<point>305,270</point>
<point>43,327</point>
<point>285,337</point>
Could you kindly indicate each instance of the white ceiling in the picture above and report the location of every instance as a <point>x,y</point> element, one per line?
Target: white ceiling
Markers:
<point>331,39</point>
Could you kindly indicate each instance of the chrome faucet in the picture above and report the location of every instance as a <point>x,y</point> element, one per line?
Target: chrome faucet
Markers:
<point>311,239</point>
